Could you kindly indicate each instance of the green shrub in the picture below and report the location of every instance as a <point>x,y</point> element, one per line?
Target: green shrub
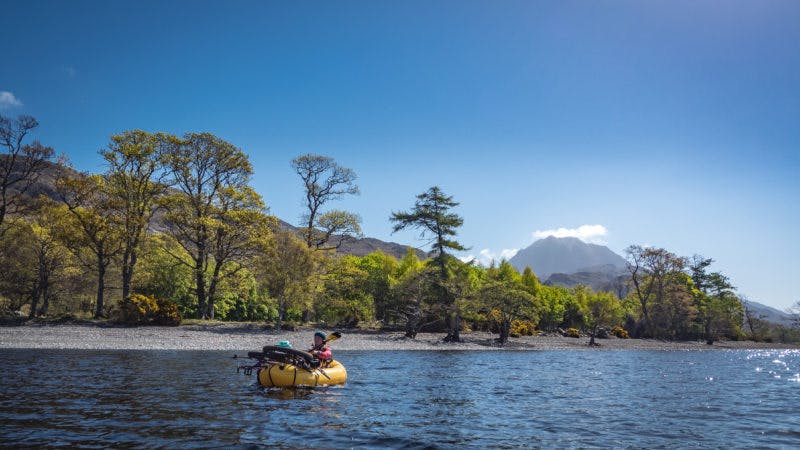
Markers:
<point>250,308</point>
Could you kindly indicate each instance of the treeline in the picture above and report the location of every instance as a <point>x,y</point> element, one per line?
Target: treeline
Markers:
<point>172,229</point>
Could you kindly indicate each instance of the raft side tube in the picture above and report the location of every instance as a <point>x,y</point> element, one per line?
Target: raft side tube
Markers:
<point>287,375</point>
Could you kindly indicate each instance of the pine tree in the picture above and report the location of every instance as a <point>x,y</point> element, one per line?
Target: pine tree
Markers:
<point>432,214</point>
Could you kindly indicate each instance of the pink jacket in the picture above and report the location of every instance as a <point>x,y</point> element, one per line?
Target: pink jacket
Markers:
<point>325,353</point>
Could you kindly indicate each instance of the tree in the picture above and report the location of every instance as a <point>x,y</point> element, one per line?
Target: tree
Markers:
<point>573,308</point>
<point>242,230</point>
<point>502,301</point>
<point>381,269</point>
<point>324,181</point>
<point>720,314</point>
<point>162,276</point>
<point>432,214</point>
<point>412,295</point>
<point>288,270</point>
<point>345,301</point>
<point>215,216</point>
<point>795,313</point>
<point>408,292</point>
<point>673,309</point>
<point>336,225</point>
<point>133,159</point>
<point>506,298</point>
<point>462,289</point>
<point>21,164</point>
<point>530,282</point>
<point>653,275</point>
<point>238,296</point>
<point>18,279</point>
<point>719,310</point>
<point>601,309</point>
<point>38,269</point>
<point>785,334</point>
<point>698,271</point>
<point>637,267</point>
<point>554,301</point>
<point>753,320</point>
<point>51,256</point>
<point>95,226</point>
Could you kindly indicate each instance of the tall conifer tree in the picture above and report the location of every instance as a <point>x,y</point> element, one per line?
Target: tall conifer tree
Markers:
<point>432,214</point>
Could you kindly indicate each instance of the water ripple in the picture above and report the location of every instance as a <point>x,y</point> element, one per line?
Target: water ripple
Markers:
<point>428,400</point>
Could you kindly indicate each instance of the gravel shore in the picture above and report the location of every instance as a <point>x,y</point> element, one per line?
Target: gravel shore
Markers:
<point>244,337</point>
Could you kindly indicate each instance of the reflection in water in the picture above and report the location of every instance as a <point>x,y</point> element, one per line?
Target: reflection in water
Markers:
<point>407,399</point>
<point>288,394</point>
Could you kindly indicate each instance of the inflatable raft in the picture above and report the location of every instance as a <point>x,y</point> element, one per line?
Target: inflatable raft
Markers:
<point>286,375</point>
<point>285,367</point>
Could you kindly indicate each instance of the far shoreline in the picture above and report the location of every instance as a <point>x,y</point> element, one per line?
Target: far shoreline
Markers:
<point>251,336</point>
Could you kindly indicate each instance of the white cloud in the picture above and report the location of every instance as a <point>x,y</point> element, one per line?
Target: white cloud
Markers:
<point>586,233</point>
<point>7,100</point>
<point>486,256</point>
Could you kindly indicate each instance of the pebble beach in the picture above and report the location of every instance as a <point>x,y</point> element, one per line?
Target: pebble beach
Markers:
<point>251,337</point>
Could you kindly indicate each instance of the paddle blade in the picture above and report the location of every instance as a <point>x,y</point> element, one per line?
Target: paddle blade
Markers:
<point>334,336</point>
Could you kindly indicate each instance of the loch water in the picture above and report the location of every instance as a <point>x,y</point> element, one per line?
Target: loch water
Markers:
<point>410,399</point>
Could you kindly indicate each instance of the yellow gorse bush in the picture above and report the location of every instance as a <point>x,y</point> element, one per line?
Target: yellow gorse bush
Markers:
<point>522,328</point>
<point>572,332</point>
<point>620,332</point>
<point>139,309</point>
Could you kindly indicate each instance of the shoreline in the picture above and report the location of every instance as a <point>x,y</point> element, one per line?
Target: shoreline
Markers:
<point>251,337</point>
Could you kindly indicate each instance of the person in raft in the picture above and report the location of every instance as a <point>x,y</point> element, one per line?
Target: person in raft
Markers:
<point>321,348</point>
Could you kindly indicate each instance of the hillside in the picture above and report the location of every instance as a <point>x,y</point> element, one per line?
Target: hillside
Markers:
<point>611,279</point>
<point>45,183</point>
<point>365,246</point>
<point>771,314</point>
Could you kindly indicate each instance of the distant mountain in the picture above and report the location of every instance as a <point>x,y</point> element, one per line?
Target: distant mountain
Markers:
<point>770,314</point>
<point>567,256</point>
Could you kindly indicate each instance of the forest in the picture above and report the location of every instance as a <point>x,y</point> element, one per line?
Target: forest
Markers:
<point>172,230</point>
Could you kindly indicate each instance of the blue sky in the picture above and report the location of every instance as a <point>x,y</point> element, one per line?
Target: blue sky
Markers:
<point>666,123</point>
